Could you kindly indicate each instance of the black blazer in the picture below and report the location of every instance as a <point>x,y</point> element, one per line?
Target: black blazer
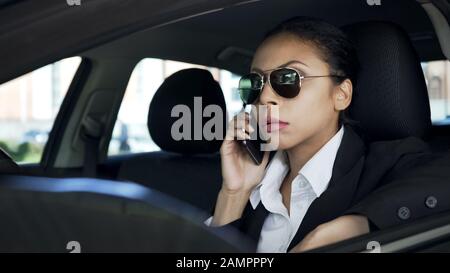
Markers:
<point>390,182</point>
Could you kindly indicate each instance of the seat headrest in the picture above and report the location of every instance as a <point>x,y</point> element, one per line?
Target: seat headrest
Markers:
<point>180,89</point>
<point>390,99</point>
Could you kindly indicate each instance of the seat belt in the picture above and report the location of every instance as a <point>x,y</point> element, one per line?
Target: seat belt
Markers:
<point>91,134</point>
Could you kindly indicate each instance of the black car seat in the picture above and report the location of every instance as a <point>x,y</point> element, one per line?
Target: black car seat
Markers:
<point>186,169</point>
<point>390,100</point>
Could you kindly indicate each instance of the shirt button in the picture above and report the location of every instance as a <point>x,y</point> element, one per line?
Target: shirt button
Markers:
<point>404,213</point>
<point>431,202</point>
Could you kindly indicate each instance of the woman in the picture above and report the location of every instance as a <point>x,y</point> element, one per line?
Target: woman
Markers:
<point>305,195</point>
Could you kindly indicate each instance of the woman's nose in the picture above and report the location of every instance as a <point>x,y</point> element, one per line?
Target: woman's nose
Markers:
<point>268,96</point>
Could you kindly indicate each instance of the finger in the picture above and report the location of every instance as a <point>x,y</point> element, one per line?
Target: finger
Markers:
<point>241,115</point>
<point>242,135</point>
<point>236,124</point>
<point>247,128</point>
<point>241,120</point>
<point>244,122</point>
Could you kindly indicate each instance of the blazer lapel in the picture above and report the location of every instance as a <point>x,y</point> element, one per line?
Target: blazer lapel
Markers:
<point>337,198</point>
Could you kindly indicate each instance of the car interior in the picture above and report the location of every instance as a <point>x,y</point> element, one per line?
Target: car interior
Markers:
<point>77,188</point>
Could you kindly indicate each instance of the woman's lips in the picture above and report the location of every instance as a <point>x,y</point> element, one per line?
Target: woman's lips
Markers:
<point>275,125</point>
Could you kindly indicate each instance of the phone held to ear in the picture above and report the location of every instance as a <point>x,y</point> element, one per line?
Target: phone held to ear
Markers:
<point>253,145</point>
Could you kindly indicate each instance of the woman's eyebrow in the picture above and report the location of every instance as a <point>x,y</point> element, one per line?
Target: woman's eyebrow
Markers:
<point>283,65</point>
<point>257,70</point>
<point>293,62</point>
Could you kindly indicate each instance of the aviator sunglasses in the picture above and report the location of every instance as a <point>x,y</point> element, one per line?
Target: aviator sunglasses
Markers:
<point>285,81</point>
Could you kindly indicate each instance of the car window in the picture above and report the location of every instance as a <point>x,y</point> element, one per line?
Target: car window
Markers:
<point>130,134</point>
<point>28,108</point>
<point>437,77</point>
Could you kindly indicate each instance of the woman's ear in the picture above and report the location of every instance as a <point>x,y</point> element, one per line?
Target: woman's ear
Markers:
<point>343,95</point>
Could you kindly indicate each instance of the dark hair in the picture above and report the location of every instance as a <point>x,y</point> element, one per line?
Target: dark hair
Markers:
<point>334,46</point>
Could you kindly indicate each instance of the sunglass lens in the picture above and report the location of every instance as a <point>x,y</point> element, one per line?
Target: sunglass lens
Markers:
<point>286,82</point>
<point>250,87</point>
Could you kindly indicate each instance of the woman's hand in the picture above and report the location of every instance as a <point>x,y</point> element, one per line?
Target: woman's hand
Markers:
<point>239,172</point>
<point>339,229</point>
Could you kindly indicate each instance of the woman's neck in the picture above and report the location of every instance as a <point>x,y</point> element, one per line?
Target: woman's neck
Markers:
<point>303,152</point>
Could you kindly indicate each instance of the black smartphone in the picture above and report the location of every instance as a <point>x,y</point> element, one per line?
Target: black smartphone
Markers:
<point>253,145</point>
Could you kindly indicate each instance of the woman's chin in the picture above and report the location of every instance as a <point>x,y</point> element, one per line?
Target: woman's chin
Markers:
<point>275,142</point>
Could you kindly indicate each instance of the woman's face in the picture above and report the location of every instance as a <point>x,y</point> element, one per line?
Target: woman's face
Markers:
<point>314,110</point>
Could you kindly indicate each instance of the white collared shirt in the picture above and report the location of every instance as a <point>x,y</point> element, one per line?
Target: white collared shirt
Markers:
<point>312,180</point>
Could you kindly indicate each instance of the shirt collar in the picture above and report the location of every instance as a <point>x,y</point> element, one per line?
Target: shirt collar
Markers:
<point>272,179</point>
<point>317,171</point>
